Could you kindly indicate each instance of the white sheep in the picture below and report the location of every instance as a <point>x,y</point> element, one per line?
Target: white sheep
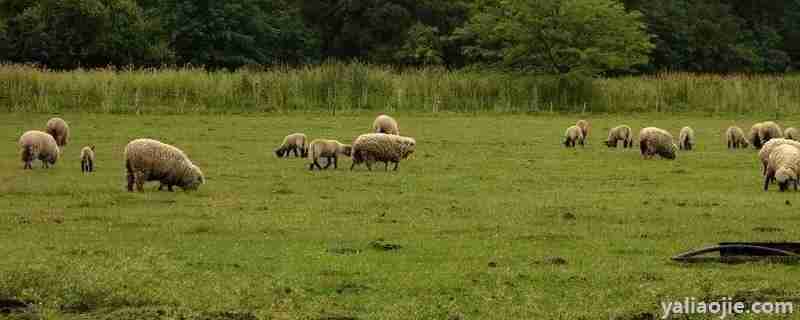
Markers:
<point>572,135</point>
<point>762,132</point>
<point>767,148</point>
<point>686,139</point>
<point>328,149</point>
<point>152,160</point>
<point>372,147</point>
<point>59,129</point>
<point>783,167</point>
<point>655,141</point>
<point>295,142</point>
<point>620,132</point>
<point>792,133</point>
<point>87,159</point>
<point>385,124</point>
<point>38,145</point>
<point>736,138</point>
<point>584,125</point>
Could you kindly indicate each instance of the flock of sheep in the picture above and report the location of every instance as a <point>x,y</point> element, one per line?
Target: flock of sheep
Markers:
<point>779,150</point>
<point>151,160</point>
<point>384,144</point>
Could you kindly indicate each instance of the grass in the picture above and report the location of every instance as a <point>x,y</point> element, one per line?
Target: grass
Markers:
<point>353,88</point>
<point>491,219</point>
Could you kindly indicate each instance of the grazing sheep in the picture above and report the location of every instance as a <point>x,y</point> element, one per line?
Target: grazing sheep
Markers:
<point>686,138</point>
<point>571,135</point>
<point>152,160</point>
<point>783,167</point>
<point>372,147</point>
<point>792,133</point>
<point>87,158</point>
<point>293,143</point>
<point>736,138</point>
<point>35,144</point>
<point>655,141</point>
<point>385,124</point>
<point>329,149</point>
<point>767,148</point>
<point>762,132</point>
<point>584,125</point>
<point>59,129</point>
<point>620,132</point>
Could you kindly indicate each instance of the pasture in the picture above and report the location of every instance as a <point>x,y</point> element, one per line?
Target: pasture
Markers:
<point>491,218</point>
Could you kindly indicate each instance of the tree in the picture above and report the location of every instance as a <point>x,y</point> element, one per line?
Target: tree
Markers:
<point>559,36</point>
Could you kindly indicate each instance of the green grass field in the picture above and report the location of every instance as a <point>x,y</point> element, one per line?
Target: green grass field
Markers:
<point>492,218</point>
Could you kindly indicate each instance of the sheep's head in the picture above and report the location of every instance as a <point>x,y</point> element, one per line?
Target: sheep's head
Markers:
<point>304,152</point>
<point>346,149</point>
<point>610,144</point>
<point>670,152</point>
<point>407,146</point>
<point>52,158</point>
<point>193,178</point>
<point>783,177</point>
<point>279,152</point>
<point>91,146</point>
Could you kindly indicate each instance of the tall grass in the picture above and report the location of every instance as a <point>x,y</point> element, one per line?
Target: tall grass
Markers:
<point>355,87</point>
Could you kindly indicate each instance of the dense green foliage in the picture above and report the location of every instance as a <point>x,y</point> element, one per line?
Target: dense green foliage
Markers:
<point>604,36</point>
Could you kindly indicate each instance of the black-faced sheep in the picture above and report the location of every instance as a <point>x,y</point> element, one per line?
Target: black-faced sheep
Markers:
<point>655,141</point>
<point>328,149</point>
<point>295,142</point>
<point>620,132</point>
<point>762,132</point>
<point>385,124</point>
<point>87,159</point>
<point>767,148</point>
<point>573,135</point>
<point>38,145</point>
<point>686,138</point>
<point>59,129</point>
<point>152,160</point>
<point>372,147</point>
<point>735,137</point>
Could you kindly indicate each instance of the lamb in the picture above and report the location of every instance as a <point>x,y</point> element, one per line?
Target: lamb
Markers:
<point>87,159</point>
<point>792,133</point>
<point>762,132</point>
<point>783,166</point>
<point>152,160</point>
<point>372,147</point>
<point>686,138</point>
<point>767,148</point>
<point>620,132</point>
<point>59,129</point>
<point>385,124</point>
<point>584,125</point>
<point>736,138</point>
<point>329,149</point>
<point>35,144</point>
<point>571,135</point>
<point>293,143</point>
<point>656,141</point>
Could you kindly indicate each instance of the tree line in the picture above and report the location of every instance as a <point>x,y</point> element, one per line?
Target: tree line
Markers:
<point>607,37</point>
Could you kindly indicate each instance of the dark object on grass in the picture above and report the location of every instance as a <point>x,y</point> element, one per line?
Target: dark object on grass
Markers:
<point>737,252</point>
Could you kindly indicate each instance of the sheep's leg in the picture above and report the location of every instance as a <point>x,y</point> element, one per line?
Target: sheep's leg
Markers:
<point>395,165</point>
<point>335,162</point>
<point>766,183</point>
<point>139,179</point>
<point>91,166</point>
<point>369,165</point>
<point>328,162</point>
<point>353,165</point>
<point>169,188</point>
<point>386,166</point>
<point>294,150</point>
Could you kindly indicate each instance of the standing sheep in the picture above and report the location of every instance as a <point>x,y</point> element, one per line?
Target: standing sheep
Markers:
<point>762,132</point>
<point>792,133</point>
<point>767,148</point>
<point>783,167</point>
<point>152,160</point>
<point>736,138</point>
<point>372,147</point>
<point>655,141</point>
<point>59,129</point>
<point>584,125</point>
<point>385,124</point>
<point>39,145</point>
<point>328,149</point>
<point>87,159</point>
<point>571,135</point>
<point>686,138</point>
<point>620,132</point>
<point>293,143</point>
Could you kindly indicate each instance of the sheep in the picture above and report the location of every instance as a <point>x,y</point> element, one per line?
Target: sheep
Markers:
<point>584,125</point>
<point>658,141</point>
<point>767,148</point>
<point>792,133</point>
<point>620,132</point>
<point>571,135</point>
<point>783,167</point>
<point>293,143</point>
<point>385,124</point>
<point>59,129</point>
<point>736,138</point>
<point>762,132</point>
<point>329,149</point>
<point>372,147</point>
<point>87,158</point>
<point>686,138</point>
<point>151,160</point>
<point>35,144</point>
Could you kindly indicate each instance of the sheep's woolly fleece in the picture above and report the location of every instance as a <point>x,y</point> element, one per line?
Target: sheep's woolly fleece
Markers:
<point>59,129</point>
<point>152,160</point>
<point>735,137</point>
<point>584,125</point>
<point>293,143</point>
<point>792,133</point>
<point>620,132</point>
<point>766,150</point>
<point>655,141</point>
<point>38,145</point>
<point>326,148</point>
<point>686,138</point>
<point>572,135</point>
<point>783,166</point>
<point>762,132</point>
<point>87,158</point>
<point>371,147</point>
<point>385,124</point>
